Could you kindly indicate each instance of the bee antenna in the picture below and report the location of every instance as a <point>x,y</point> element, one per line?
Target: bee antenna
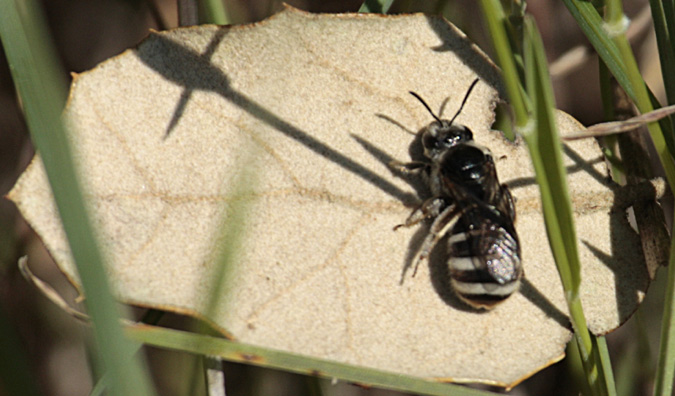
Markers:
<point>425,105</point>
<point>466,97</point>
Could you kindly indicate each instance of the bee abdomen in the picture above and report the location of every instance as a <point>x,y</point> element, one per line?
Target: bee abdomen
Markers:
<point>484,267</point>
<point>478,289</point>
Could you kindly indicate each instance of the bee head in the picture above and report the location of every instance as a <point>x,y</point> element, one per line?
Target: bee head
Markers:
<point>441,135</point>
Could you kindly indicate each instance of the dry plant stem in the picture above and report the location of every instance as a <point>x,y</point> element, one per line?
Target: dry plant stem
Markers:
<point>187,13</point>
<point>49,291</point>
<point>616,127</point>
<point>215,376</point>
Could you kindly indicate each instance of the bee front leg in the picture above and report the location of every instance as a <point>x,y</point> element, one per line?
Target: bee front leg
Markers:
<point>408,168</point>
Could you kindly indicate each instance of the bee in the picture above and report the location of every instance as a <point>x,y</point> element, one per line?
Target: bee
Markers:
<point>471,208</point>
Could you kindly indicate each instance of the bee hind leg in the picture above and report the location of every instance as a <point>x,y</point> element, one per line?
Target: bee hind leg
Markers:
<point>432,207</point>
<point>441,225</point>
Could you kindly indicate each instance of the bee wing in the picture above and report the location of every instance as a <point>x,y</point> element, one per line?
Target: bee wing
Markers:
<point>502,254</point>
<point>495,236</point>
<point>505,203</point>
<point>494,193</point>
<point>499,195</point>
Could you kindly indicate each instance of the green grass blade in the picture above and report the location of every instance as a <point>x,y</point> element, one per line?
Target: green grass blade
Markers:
<point>576,369</point>
<point>495,18</point>
<point>546,152</point>
<point>541,135</point>
<point>665,369</point>
<point>544,142</point>
<point>376,6</point>
<point>664,37</point>
<point>237,352</point>
<point>215,12</point>
<point>41,89</point>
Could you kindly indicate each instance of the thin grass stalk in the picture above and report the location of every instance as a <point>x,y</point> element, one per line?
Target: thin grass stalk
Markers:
<point>38,82</point>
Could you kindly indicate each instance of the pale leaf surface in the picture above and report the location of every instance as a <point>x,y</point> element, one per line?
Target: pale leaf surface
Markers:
<point>322,104</point>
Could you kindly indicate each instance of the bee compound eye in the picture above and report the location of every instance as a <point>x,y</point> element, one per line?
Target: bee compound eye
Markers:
<point>466,133</point>
<point>429,141</point>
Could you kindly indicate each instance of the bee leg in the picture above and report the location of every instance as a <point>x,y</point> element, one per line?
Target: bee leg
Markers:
<point>407,168</point>
<point>432,207</point>
<point>441,225</point>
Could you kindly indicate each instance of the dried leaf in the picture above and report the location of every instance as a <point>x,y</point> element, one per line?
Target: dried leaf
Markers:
<point>321,101</point>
